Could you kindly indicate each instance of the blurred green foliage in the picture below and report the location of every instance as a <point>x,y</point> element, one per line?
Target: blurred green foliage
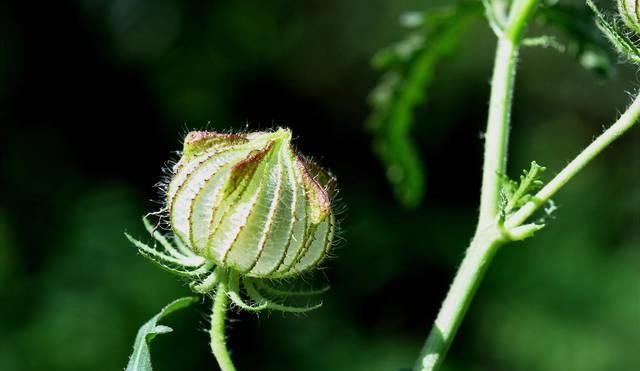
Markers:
<point>409,68</point>
<point>94,96</point>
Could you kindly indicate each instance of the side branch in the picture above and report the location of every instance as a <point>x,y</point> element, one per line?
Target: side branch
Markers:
<point>624,123</point>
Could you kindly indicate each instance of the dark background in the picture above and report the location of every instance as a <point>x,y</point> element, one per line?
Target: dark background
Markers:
<point>96,95</point>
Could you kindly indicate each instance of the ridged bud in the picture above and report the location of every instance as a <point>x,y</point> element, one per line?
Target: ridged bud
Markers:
<point>629,11</point>
<point>250,203</point>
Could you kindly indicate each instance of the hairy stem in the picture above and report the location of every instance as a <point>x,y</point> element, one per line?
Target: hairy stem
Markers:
<point>624,123</point>
<point>218,340</point>
<point>486,239</point>
<point>497,134</point>
<point>465,284</point>
<point>502,83</point>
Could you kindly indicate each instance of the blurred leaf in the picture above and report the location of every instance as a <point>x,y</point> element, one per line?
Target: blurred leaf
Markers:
<point>550,2</point>
<point>585,41</point>
<point>141,357</point>
<point>409,68</point>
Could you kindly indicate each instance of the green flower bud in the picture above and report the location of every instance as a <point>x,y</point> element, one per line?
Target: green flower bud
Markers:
<point>629,11</point>
<point>250,203</point>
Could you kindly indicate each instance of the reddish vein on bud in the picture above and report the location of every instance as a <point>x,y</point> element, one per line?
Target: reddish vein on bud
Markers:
<point>250,203</point>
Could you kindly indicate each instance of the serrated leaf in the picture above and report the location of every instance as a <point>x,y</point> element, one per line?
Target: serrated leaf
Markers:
<point>517,193</point>
<point>140,359</point>
<point>409,68</point>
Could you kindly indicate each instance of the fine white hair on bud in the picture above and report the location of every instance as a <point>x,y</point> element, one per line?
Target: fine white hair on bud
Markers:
<point>251,204</point>
<point>630,12</point>
<point>246,210</point>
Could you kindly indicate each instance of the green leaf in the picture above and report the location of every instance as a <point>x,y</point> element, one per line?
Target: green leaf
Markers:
<point>140,359</point>
<point>585,42</point>
<point>408,69</point>
<point>515,194</point>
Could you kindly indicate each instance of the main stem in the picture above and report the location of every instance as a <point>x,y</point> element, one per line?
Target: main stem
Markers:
<point>487,238</point>
<point>497,134</point>
<point>218,318</point>
<point>475,263</point>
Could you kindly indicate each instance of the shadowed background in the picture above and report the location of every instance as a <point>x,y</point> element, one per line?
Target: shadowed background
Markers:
<point>96,95</point>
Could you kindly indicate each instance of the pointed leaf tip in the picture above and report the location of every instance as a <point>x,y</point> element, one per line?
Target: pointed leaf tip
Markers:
<point>140,359</point>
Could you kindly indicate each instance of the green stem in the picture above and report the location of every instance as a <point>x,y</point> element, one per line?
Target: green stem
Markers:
<point>500,103</point>
<point>497,134</point>
<point>218,340</point>
<point>454,306</point>
<point>624,123</point>
<point>521,12</point>
<point>487,241</point>
<point>487,238</point>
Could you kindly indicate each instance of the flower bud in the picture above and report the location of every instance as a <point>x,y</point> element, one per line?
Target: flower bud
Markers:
<point>250,203</point>
<point>629,11</point>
